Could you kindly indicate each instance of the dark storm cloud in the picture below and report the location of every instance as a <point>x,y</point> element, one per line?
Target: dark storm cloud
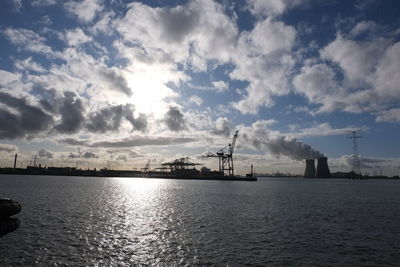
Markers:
<point>71,112</point>
<point>110,118</point>
<point>116,81</point>
<point>45,154</point>
<point>27,120</point>
<point>174,119</point>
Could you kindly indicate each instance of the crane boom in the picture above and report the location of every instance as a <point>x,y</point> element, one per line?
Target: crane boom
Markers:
<point>225,158</point>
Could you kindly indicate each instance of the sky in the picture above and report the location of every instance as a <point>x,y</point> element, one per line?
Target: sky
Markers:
<point>95,83</point>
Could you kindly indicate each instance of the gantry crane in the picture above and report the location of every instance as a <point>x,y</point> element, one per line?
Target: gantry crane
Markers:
<point>225,159</point>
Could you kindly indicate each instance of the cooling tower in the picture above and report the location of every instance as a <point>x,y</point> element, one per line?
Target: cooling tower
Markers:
<point>322,168</point>
<point>310,169</point>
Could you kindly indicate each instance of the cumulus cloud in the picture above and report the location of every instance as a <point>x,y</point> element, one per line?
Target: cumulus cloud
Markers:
<point>274,7</point>
<point>356,73</point>
<point>110,118</point>
<point>319,84</point>
<point>116,80</point>
<point>263,58</point>
<point>21,119</point>
<point>43,153</point>
<point>196,31</point>
<point>71,112</point>
<point>222,127</point>
<point>84,10</point>
<point>174,119</point>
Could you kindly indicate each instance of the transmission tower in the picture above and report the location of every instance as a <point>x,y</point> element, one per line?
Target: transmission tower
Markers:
<point>356,161</point>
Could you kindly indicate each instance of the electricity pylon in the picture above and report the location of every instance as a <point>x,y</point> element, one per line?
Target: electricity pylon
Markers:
<point>356,161</point>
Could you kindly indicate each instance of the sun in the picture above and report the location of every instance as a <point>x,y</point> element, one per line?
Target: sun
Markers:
<point>150,94</point>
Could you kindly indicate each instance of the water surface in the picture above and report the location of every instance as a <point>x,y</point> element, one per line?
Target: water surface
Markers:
<point>76,221</point>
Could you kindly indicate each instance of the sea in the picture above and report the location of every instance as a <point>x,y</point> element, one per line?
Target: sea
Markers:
<point>92,221</point>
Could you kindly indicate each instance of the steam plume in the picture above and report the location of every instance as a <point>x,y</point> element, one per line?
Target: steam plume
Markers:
<point>292,148</point>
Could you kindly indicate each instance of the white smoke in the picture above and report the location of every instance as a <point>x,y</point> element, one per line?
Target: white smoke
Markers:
<point>283,145</point>
<point>291,148</point>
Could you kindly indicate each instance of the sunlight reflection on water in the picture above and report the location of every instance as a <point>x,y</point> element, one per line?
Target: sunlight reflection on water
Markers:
<point>155,222</point>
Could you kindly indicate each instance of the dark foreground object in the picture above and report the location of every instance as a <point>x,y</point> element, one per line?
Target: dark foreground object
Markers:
<point>8,208</point>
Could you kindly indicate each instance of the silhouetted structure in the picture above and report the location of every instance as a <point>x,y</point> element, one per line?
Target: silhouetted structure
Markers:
<point>310,168</point>
<point>356,161</point>
<point>322,168</point>
<point>15,161</point>
<point>225,160</point>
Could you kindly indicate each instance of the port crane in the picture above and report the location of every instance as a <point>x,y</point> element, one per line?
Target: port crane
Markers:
<point>146,167</point>
<point>225,159</point>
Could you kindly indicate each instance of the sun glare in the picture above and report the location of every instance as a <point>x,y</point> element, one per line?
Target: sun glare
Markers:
<point>150,92</point>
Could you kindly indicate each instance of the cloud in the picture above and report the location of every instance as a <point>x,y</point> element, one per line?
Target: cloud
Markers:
<point>220,86</point>
<point>386,78</point>
<point>174,119</point>
<point>73,142</point>
<point>116,80</point>
<point>29,64</point>
<point>45,154</point>
<point>8,148</point>
<point>110,118</point>
<point>187,34</point>
<point>143,141</point>
<point>222,127</point>
<point>391,115</point>
<point>28,40</point>
<point>75,37</point>
<point>71,112</point>
<point>21,119</point>
<point>17,5</point>
<point>356,73</point>
<point>134,141</point>
<point>273,7</point>
<point>263,59</point>
<point>7,78</point>
<point>86,155</point>
<point>122,158</point>
<point>319,85</point>
<point>40,3</point>
<point>196,100</point>
<point>84,10</point>
<point>356,58</point>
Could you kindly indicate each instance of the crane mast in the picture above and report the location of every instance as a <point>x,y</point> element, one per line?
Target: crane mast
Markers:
<point>225,159</point>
